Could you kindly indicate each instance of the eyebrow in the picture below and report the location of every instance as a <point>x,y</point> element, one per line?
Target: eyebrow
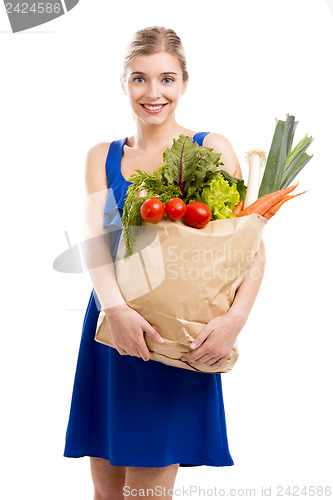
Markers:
<point>164,73</point>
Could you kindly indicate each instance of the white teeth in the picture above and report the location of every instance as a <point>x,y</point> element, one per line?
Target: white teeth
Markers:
<point>153,108</point>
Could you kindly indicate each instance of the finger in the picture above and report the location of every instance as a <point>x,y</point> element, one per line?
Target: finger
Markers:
<point>127,350</point>
<point>134,352</point>
<point>219,362</point>
<point>194,356</point>
<point>138,354</point>
<point>144,352</point>
<point>121,351</point>
<point>198,352</point>
<point>205,332</point>
<point>212,363</point>
<point>205,359</point>
<point>152,333</point>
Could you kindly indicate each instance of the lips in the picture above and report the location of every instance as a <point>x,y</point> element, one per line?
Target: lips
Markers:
<point>153,108</point>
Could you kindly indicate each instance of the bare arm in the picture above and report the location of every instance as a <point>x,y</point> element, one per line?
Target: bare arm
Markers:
<point>126,326</point>
<point>248,291</point>
<point>97,254</point>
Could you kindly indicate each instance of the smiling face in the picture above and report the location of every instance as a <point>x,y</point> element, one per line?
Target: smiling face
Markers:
<point>154,84</point>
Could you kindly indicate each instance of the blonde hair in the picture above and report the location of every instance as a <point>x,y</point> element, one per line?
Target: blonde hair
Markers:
<point>153,40</point>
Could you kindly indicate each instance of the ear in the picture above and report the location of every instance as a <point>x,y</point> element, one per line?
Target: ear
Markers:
<point>184,87</point>
<point>123,86</point>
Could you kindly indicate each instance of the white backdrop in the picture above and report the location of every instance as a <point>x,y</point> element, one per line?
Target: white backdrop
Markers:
<point>249,63</point>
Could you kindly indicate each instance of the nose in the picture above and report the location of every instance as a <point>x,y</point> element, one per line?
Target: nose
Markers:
<point>153,92</point>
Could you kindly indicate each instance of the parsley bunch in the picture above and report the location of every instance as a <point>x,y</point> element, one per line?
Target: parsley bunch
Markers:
<point>155,185</point>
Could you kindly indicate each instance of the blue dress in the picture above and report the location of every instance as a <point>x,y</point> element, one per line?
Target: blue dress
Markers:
<point>140,413</point>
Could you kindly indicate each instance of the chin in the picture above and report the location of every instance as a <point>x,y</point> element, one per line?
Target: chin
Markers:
<point>153,121</point>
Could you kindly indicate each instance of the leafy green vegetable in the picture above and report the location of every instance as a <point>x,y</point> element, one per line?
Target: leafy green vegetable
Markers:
<point>188,170</point>
<point>241,188</point>
<point>189,165</point>
<point>156,186</point>
<point>221,198</point>
<point>238,183</point>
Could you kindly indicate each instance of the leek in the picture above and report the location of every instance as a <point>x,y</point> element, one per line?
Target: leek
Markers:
<point>256,159</point>
<point>283,162</point>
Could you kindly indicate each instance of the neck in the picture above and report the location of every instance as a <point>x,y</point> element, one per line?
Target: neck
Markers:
<point>153,137</point>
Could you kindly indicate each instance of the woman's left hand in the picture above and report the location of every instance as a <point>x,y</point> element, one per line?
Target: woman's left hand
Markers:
<point>215,341</point>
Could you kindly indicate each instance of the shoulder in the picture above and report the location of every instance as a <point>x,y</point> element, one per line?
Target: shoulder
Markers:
<point>213,140</point>
<point>99,151</point>
<point>95,175</point>
<point>222,145</point>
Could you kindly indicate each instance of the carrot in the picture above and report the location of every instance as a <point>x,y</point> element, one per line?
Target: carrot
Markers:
<point>272,211</point>
<point>264,203</point>
<point>238,208</point>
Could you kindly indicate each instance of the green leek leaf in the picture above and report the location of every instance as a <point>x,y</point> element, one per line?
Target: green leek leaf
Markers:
<point>285,149</point>
<point>305,158</point>
<point>296,156</point>
<point>268,179</point>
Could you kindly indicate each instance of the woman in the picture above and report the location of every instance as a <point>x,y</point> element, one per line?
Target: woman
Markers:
<point>137,419</point>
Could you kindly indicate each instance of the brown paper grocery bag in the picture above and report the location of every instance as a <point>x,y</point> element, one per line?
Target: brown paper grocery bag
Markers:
<point>179,278</point>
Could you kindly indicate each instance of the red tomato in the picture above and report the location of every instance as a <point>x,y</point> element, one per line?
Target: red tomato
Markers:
<point>175,208</point>
<point>198,214</point>
<point>152,210</point>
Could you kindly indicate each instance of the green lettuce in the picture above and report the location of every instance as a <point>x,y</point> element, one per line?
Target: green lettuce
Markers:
<point>221,198</point>
<point>241,188</point>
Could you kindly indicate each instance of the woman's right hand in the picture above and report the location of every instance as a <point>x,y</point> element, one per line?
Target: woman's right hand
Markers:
<point>127,328</point>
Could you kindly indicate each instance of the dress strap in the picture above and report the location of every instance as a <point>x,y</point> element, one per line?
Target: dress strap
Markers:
<point>113,159</point>
<point>199,137</point>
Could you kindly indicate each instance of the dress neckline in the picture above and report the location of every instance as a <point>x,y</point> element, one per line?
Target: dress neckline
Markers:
<point>122,154</point>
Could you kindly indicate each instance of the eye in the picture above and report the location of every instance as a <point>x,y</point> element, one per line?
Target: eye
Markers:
<point>138,78</point>
<point>168,79</point>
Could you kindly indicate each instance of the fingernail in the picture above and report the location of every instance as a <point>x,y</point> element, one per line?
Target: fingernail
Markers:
<point>193,345</point>
<point>161,340</point>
